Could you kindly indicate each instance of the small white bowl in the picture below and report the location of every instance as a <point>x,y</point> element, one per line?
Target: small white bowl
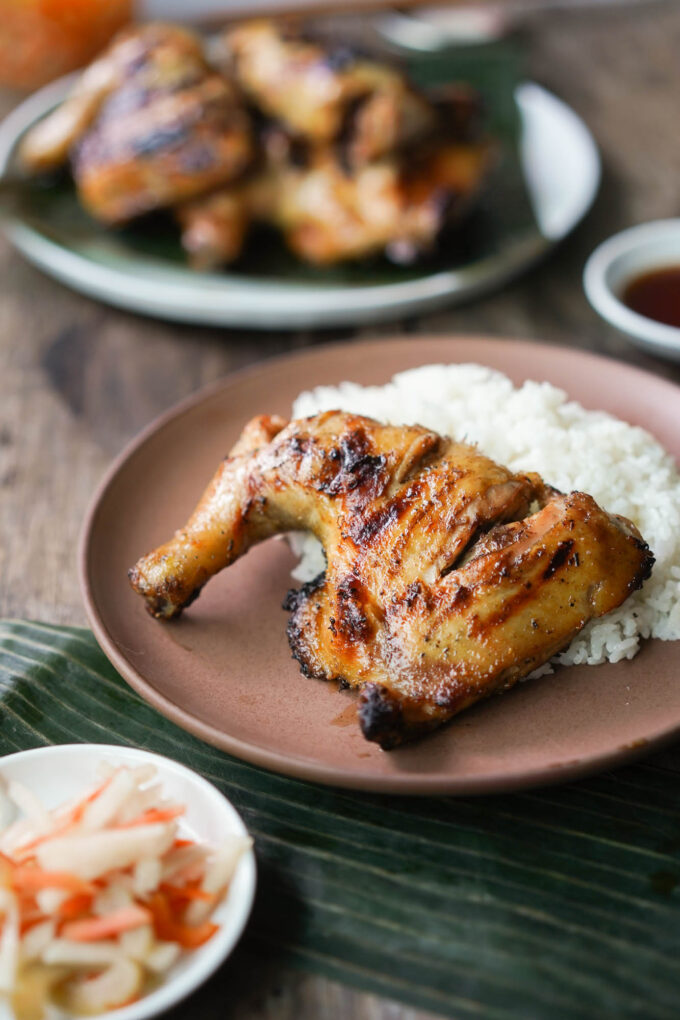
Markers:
<point>621,258</point>
<point>58,773</point>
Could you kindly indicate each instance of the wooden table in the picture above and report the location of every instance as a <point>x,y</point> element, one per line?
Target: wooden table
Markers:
<point>78,380</point>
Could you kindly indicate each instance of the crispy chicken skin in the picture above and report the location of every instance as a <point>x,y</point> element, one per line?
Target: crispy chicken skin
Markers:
<point>448,577</point>
<point>148,124</point>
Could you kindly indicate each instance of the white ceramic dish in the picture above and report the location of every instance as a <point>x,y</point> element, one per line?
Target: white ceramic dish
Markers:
<point>60,772</point>
<point>636,250</point>
<point>562,172</point>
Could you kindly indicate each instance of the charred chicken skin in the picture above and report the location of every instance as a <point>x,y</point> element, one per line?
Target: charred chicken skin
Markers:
<point>448,577</point>
<point>149,124</point>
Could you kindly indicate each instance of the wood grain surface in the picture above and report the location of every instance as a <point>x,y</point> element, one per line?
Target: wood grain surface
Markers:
<point>78,380</point>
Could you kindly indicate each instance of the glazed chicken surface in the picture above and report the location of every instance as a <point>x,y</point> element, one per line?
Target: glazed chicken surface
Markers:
<point>328,212</point>
<point>448,577</point>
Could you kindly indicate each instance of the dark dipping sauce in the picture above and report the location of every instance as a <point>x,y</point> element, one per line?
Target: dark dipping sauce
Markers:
<point>655,294</point>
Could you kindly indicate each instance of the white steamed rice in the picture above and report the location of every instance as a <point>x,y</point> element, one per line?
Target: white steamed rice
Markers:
<point>536,428</point>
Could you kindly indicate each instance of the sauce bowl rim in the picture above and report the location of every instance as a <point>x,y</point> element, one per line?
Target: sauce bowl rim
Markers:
<point>661,337</point>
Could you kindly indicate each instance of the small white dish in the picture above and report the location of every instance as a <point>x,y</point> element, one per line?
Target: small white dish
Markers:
<point>57,773</point>
<point>623,257</point>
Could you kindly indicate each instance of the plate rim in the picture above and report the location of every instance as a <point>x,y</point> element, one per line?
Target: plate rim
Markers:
<point>300,768</point>
<point>228,303</point>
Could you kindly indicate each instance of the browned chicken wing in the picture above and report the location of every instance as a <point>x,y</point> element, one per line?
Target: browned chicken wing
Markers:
<point>448,577</point>
<point>149,124</point>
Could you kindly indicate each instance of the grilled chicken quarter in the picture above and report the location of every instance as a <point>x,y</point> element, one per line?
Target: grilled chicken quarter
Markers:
<point>448,577</point>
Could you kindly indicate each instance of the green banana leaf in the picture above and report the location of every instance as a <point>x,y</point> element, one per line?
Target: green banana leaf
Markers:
<point>559,903</point>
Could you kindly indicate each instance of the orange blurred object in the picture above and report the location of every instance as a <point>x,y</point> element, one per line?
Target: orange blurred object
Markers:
<point>42,39</point>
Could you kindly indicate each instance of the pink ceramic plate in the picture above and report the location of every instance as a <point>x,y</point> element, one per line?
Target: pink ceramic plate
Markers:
<point>224,670</point>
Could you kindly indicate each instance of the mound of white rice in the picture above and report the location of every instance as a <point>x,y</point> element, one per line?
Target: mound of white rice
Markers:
<point>536,428</point>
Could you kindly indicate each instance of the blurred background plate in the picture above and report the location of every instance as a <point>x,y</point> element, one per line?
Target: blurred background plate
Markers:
<point>545,183</point>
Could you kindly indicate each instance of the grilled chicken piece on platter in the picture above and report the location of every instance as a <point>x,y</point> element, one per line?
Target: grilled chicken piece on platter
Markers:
<point>148,124</point>
<point>326,95</point>
<point>448,577</point>
<point>328,214</point>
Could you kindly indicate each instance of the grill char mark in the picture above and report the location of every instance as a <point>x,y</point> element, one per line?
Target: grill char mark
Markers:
<point>380,717</point>
<point>351,620</point>
<point>559,558</point>
<point>353,467</point>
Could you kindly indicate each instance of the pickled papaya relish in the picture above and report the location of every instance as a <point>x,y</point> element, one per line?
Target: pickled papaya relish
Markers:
<point>100,896</point>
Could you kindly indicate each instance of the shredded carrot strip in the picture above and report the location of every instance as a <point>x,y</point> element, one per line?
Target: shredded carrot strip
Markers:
<point>93,928</point>
<point>153,815</point>
<point>79,810</point>
<point>185,892</point>
<point>74,906</point>
<point>72,818</point>
<point>28,907</point>
<point>169,929</point>
<point>30,922</point>
<point>29,879</point>
<point>179,844</point>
